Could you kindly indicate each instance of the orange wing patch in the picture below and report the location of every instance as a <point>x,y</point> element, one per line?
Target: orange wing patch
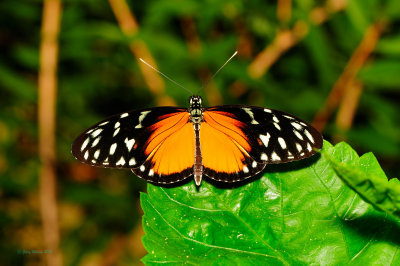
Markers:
<point>224,146</point>
<point>170,148</point>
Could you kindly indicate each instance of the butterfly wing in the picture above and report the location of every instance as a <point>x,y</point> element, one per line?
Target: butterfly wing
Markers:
<point>238,141</point>
<point>156,143</point>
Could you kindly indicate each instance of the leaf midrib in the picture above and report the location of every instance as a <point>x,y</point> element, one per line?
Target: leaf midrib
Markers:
<point>334,208</point>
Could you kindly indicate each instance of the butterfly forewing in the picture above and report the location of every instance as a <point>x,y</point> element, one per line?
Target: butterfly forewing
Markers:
<point>273,136</point>
<point>120,141</point>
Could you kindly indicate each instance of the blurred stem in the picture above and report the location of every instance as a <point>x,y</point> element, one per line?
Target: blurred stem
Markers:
<point>238,89</point>
<point>286,39</point>
<point>47,109</point>
<point>319,15</point>
<point>192,38</point>
<point>245,41</point>
<point>114,250</point>
<point>357,60</point>
<point>131,243</point>
<point>347,108</point>
<point>284,10</point>
<point>129,27</point>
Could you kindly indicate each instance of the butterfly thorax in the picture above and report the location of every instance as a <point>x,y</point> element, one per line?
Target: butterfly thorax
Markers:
<point>195,109</point>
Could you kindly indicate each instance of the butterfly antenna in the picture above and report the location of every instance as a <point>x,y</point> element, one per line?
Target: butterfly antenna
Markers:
<point>213,76</point>
<point>165,76</point>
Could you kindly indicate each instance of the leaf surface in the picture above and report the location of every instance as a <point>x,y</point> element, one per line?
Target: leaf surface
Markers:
<point>365,177</point>
<point>299,213</point>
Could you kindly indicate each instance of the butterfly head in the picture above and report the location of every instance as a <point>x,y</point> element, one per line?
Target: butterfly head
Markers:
<point>195,102</point>
<point>195,108</point>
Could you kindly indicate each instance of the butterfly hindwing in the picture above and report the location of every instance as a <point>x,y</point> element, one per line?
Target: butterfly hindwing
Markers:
<point>258,136</point>
<point>132,139</point>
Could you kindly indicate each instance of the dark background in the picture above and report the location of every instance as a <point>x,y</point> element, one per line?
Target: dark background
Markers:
<point>334,63</point>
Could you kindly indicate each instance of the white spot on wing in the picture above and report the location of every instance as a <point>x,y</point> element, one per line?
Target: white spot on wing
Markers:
<point>121,161</point>
<point>96,154</point>
<point>117,125</point>
<point>298,134</point>
<point>254,164</point>
<point>296,125</point>
<point>282,143</point>
<point>96,132</point>
<point>245,169</point>
<point>124,115</point>
<point>288,117</point>
<point>86,156</point>
<point>309,147</point>
<point>116,132</point>
<point>113,148</point>
<point>309,136</point>
<point>267,110</point>
<point>298,146</point>
<point>106,161</point>
<point>264,157</point>
<point>276,119</point>
<point>141,117</point>
<point>84,144</point>
<point>129,143</point>
<point>96,141</point>
<point>142,168</point>
<point>132,161</point>
<point>277,126</point>
<point>265,139</point>
<point>275,157</point>
<point>151,172</point>
<point>250,113</point>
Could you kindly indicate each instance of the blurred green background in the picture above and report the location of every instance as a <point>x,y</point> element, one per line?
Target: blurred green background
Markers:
<point>336,63</point>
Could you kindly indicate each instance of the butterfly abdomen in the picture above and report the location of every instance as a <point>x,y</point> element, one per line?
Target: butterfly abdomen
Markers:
<point>198,159</point>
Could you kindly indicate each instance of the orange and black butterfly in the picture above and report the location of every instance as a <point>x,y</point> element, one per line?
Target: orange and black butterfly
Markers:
<point>227,143</point>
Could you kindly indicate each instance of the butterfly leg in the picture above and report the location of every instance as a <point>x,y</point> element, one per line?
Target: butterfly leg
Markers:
<point>198,160</point>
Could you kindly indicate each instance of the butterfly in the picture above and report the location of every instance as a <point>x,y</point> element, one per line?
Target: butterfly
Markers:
<point>227,143</point>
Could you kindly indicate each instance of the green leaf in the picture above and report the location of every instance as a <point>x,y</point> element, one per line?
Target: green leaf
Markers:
<point>382,73</point>
<point>16,84</point>
<point>358,14</point>
<point>365,176</point>
<point>295,214</point>
<point>389,46</point>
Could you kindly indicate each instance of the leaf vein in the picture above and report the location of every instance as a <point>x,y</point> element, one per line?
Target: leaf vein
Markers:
<point>202,243</point>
